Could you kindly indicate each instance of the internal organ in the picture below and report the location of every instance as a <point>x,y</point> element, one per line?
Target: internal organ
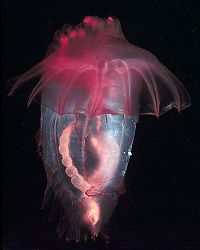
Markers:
<point>108,154</point>
<point>92,154</point>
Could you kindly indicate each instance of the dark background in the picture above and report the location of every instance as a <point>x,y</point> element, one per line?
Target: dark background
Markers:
<point>161,208</point>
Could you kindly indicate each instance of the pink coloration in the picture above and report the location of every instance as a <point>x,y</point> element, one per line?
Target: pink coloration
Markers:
<point>92,185</point>
<point>94,23</point>
<point>87,20</point>
<point>76,179</point>
<point>92,69</point>
<point>108,152</point>
<point>98,122</point>
<point>110,19</point>
<point>73,34</point>
<point>63,40</point>
<point>92,214</point>
<point>93,86</point>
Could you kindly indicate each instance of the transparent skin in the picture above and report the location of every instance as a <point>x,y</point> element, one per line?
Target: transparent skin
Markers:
<point>92,69</point>
<point>94,85</point>
<point>99,149</point>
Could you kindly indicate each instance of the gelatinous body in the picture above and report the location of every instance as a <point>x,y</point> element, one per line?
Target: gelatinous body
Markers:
<point>86,160</point>
<point>94,84</point>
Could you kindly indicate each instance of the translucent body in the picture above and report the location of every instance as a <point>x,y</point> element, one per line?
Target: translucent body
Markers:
<point>99,150</point>
<point>93,86</point>
<point>92,69</point>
